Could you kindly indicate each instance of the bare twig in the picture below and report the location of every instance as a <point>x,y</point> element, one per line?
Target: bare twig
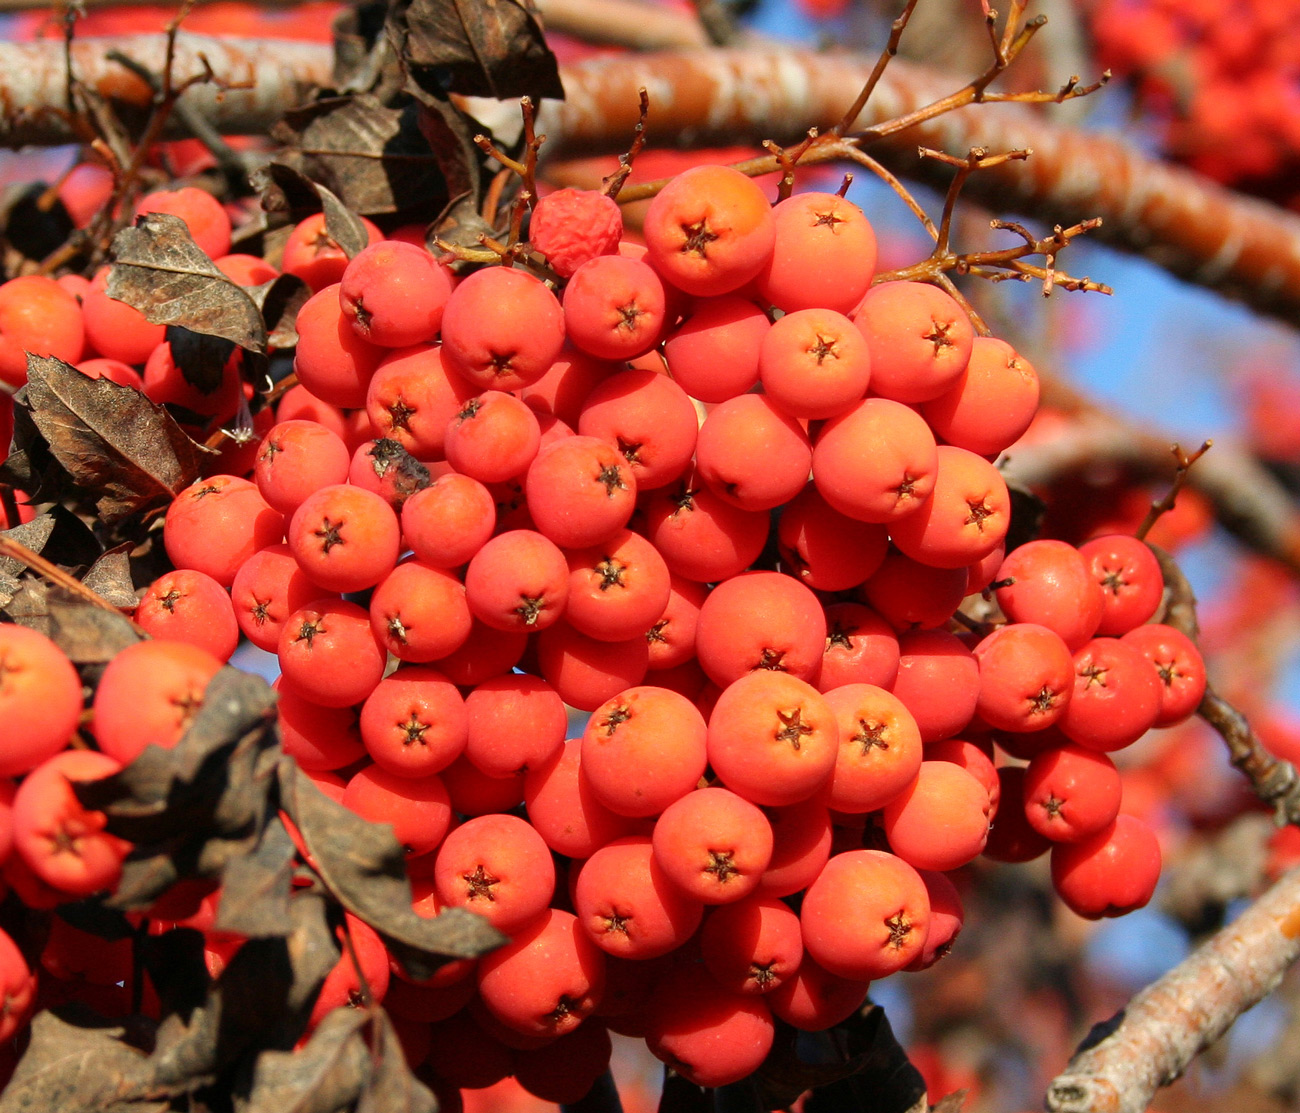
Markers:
<point>612,185</point>
<point>1182,464</point>
<point>1152,1040</point>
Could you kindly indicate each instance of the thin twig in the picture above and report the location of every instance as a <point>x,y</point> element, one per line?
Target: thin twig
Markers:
<point>612,185</point>
<point>1182,464</point>
<point>886,56</point>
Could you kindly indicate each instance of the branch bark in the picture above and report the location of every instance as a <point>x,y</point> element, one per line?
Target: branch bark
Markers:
<point>1122,1063</point>
<point>257,80</point>
<point>1234,245</point>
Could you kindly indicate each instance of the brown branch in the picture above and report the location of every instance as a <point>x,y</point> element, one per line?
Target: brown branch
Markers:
<point>1275,782</point>
<point>1159,1032</point>
<point>256,80</point>
<point>635,24</point>
<point>1191,226</point>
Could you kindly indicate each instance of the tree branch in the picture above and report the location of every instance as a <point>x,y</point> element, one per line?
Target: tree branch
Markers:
<point>1122,1063</point>
<point>263,77</point>
<point>1211,236</point>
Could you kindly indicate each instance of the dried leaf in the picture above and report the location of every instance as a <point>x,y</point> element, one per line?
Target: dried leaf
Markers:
<point>392,1088</point>
<point>950,1103</point>
<point>255,887</point>
<point>484,48</point>
<point>279,300</point>
<point>864,1066</point>
<point>163,273</point>
<point>364,867</point>
<point>76,1064</point>
<point>374,158</point>
<point>200,357</point>
<point>110,577</point>
<point>33,535</point>
<point>286,190</point>
<point>87,634</point>
<point>114,442</point>
<point>327,1075</point>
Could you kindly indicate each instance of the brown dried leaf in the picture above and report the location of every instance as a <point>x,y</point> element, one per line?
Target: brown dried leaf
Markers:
<point>484,48</point>
<point>864,1066</point>
<point>78,1064</point>
<point>110,577</point>
<point>374,158</point>
<point>163,273</point>
<point>363,866</point>
<point>279,300</point>
<point>115,443</point>
<point>287,191</point>
<point>327,1075</point>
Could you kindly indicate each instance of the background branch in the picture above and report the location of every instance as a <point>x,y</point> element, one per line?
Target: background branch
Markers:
<point>1151,1041</point>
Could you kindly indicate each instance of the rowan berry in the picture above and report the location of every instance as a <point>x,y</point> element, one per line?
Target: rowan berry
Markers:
<point>502,329</point>
<point>419,613</point>
<point>813,999</point>
<point>492,437</point>
<point>938,682</point>
<point>751,454</point>
<point>773,738</point>
<point>344,538</point>
<point>1110,873</point>
<point>1049,583</point>
<point>414,723</point>
<point>708,1034</point>
<point>713,354</point>
<point>824,548</point>
<point>879,748</point>
<point>760,620</point>
<point>713,845</point>
<point>149,695</point>
<point>328,653</point>
<point>580,491</point>
<point>114,329</point>
<point>861,648</point>
<point>320,739</point>
<point>919,338</point>
<point>614,307</point>
<point>204,216</point>
<point>393,294</point>
<point>990,404</point>
<point>617,590</point>
<point>296,459</point>
<point>331,360</point>
<point>941,820</point>
<point>218,523</point>
<point>586,672</point>
<point>518,581</point>
<point>446,523</point>
<point>497,866</point>
<point>65,844</point>
<point>1026,677</point>
<point>37,315</point>
<point>866,916</point>
<point>40,698</point>
<point>628,906</point>
<point>313,255</point>
<point>963,519</point>
<point>875,462</point>
<point>1130,578</point>
<point>418,808</point>
<point>651,420</point>
<point>824,255</point>
<point>700,536</point>
<point>189,606</point>
<point>1178,664</point>
<point>571,226</point>
<point>1117,695</point>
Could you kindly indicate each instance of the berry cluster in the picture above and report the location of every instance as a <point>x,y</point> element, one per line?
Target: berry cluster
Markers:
<point>1221,79</point>
<point>724,495</point>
